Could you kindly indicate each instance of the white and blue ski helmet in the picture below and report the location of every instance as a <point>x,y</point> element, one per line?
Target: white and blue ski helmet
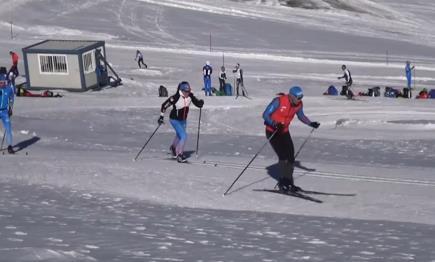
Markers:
<point>184,86</point>
<point>296,91</point>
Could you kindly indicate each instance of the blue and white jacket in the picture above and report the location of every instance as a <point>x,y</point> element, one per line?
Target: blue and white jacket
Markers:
<point>6,93</point>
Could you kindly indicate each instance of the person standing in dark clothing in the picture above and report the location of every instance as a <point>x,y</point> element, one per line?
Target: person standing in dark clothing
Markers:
<point>139,59</point>
<point>277,118</point>
<point>345,91</point>
<point>222,79</point>
<point>238,73</point>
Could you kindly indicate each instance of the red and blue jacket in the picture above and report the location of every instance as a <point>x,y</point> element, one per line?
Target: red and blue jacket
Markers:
<point>281,110</point>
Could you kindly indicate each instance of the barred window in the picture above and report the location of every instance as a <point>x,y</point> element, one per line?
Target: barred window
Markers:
<point>88,62</point>
<point>53,64</point>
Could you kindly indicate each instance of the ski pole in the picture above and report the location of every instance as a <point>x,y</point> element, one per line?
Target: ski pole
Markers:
<point>303,144</point>
<point>3,140</point>
<point>134,159</point>
<point>410,95</point>
<point>197,137</point>
<point>256,154</point>
<point>244,89</point>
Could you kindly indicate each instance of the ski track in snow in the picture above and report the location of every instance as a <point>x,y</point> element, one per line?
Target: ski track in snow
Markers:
<point>76,226</point>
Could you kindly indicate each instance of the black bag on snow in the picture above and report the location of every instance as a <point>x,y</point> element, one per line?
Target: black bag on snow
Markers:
<point>374,91</point>
<point>163,92</point>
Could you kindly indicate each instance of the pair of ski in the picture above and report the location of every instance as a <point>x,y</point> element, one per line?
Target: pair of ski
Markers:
<point>303,194</point>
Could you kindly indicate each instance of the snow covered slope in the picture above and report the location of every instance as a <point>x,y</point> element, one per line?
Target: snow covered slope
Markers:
<point>379,150</point>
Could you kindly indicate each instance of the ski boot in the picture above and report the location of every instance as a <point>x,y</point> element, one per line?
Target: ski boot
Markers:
<point>181,158</point>
<point>295,189</point>
<point>284,185</point>
<point>11,150</point>
<point>173,152</point>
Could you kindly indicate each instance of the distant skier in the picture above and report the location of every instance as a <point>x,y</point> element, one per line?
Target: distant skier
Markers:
<point>238,74</point>
<point>139,59</point>
<point>180,103</point>
<point>277,117</point>
<point>222,79</point>
<point>345,91</point>
<point>14,67</point>
<point>408,71</point>
<point>207,70</point>
<point>6,105</point>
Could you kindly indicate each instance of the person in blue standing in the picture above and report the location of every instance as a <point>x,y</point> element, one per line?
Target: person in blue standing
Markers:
<point>180,103</point>
<point>408,71</point>
<point>277,118</point>
<point>207,70</point>
<point>6,105</point>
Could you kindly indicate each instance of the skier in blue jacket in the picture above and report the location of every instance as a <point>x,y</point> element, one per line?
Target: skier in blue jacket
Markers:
<point>6,104</point>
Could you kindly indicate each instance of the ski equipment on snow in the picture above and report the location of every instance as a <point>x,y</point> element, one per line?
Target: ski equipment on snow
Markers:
<point>290,193</point>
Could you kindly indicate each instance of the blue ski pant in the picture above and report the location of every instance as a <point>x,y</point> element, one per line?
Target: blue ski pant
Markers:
<point>408,79</point>
<point>4,115</point>
<point>207,85</point>
<point>180,135</point>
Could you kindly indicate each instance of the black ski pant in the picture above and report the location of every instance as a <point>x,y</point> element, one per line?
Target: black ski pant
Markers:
<point>239,83</point>
<point>282,144</point>
<point>222,85</point>
<point>140,61</point>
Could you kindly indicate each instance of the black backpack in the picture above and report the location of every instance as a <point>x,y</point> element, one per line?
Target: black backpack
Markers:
<point>163,92</point>
<point>375,91</point>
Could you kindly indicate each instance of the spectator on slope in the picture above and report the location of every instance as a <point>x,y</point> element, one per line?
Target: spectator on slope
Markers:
<point>222,79</point>
<point>277,118</point>
<point>238,74</point>
<point>207,70</point>
<point>13,71</point>
<point>6,105</point>
<point>408,72</point>
<point>345,91</point>
<point>139,59</point>
<point>180,103</point>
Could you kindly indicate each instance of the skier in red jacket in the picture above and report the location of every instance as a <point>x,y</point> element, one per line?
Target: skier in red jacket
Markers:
<point>277,118</point>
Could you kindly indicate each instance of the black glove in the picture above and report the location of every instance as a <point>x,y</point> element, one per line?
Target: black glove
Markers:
<point>339,77</point>
<point>200,103</point>
<point>315,124</point>
<point>278,126</point>
<point>10,111</point>
<point>160,121</point>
